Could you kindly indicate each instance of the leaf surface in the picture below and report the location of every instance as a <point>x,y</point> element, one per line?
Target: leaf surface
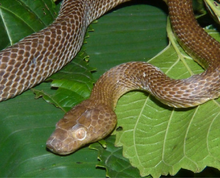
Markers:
<point>173,138</point>
<point>110,157</point>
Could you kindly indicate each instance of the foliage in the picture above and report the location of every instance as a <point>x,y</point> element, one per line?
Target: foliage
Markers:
<point>156,139</point>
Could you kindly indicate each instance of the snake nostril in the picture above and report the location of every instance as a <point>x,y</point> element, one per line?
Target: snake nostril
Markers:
<point>56,145</point>
<point>50,144</point>
<point>53,144</point>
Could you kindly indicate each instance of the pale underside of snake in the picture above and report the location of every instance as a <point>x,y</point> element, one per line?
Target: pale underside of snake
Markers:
<point>39,55</point>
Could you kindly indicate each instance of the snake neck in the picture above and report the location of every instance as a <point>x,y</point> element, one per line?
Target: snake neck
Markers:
<point>112,85</point>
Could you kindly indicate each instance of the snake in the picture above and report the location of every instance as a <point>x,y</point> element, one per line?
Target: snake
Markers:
<point>94,118</point>
<point>38,56</point>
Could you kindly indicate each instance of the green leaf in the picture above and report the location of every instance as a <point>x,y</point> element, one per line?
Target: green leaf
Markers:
<point>72,84</point>
<point>173,138</point>
<point>23,17</point>
<point>136,32</point>
<point>111,158</point>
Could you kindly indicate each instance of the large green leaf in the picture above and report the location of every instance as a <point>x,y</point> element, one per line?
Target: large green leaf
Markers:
<point>173,138</point>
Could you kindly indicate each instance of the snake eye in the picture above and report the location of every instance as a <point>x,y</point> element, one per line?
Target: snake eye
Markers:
<point>79,133</point>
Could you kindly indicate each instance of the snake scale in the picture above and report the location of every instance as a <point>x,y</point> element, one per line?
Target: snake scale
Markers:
<point>39,55</point>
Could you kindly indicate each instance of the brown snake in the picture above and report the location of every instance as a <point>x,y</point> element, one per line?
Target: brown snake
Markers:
<point>39,55</point>
<point>94,118</point>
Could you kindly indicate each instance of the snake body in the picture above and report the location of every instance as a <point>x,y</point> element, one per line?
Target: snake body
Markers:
<point>94,118</point>
<point>39,55</point>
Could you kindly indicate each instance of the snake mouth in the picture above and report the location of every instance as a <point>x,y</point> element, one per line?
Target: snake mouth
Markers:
<point>57,147</point>
<point>51,146</point>
<point>59,143</point>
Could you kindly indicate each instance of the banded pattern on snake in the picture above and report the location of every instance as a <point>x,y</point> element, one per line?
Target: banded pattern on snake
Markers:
<point>38,56</point>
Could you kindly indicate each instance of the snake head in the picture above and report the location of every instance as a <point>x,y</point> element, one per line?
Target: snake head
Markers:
<point>85,123</point>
